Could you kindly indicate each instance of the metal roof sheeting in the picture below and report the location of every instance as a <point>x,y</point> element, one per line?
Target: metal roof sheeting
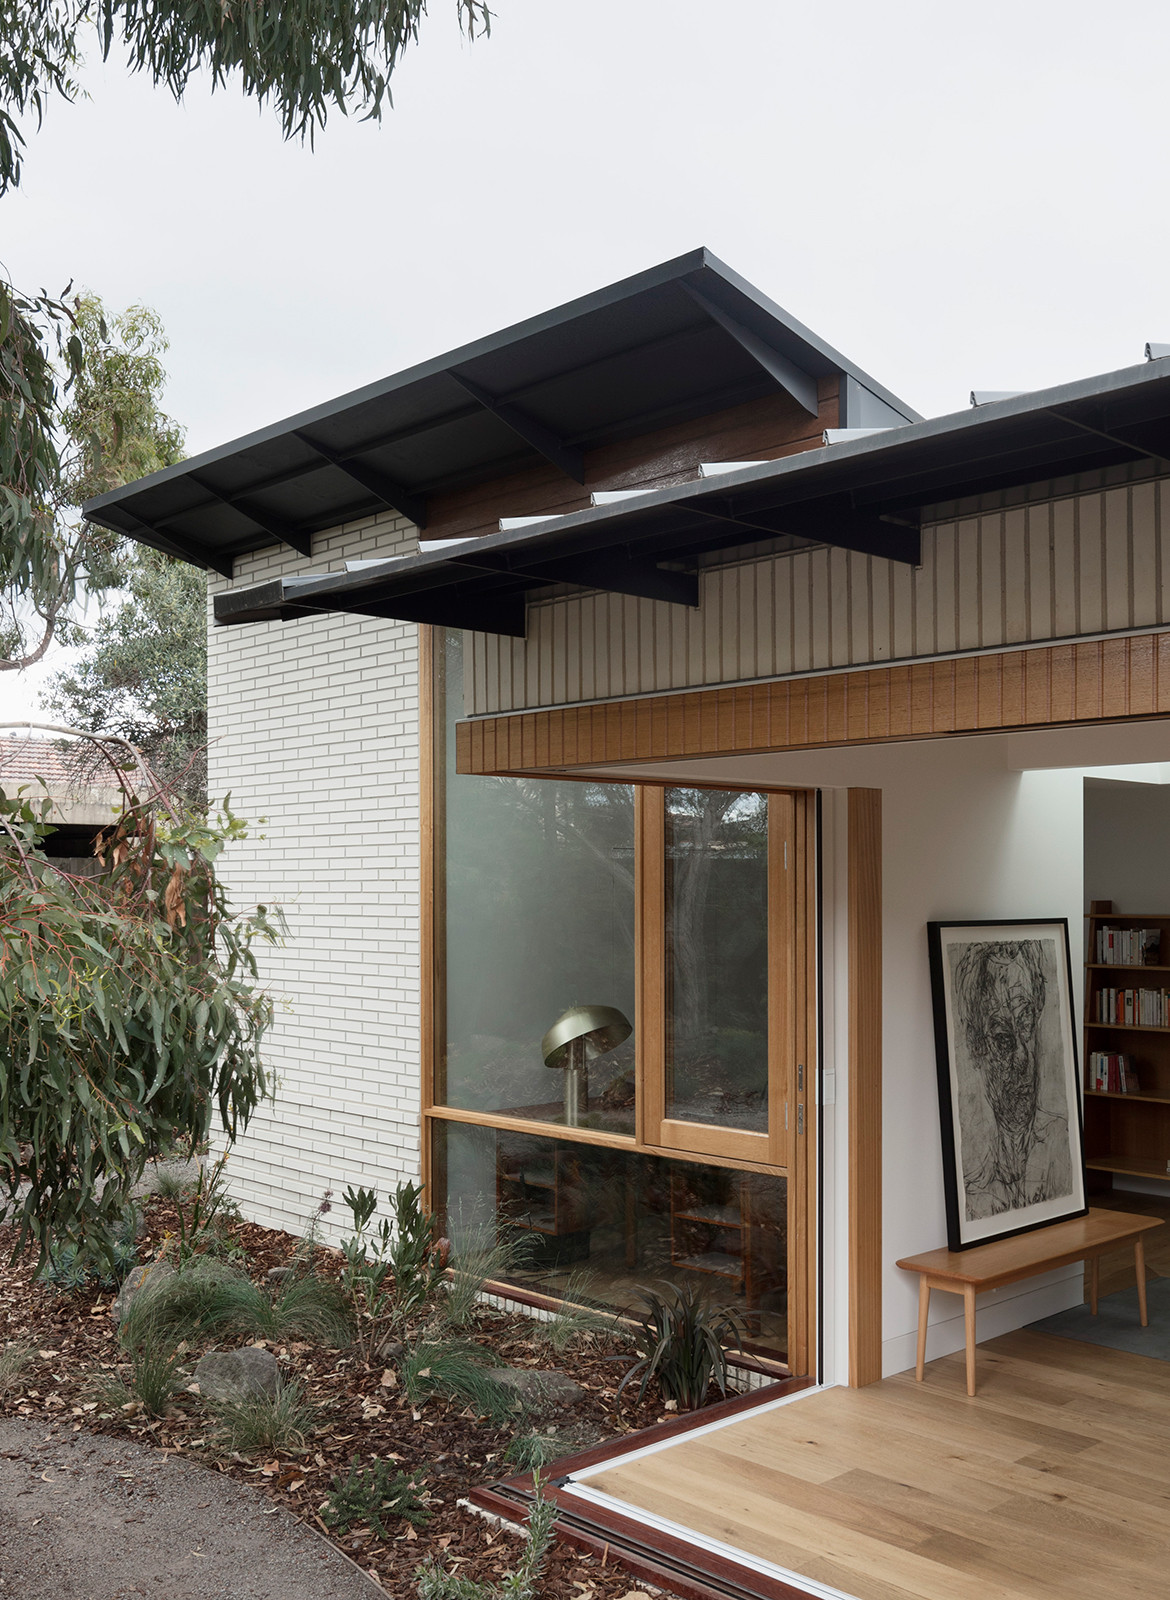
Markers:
<point>678,341</point>
<point>865,495</point>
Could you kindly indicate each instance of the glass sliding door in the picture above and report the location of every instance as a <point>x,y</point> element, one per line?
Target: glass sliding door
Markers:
<point>722,948</point>
<point>617,1001</point>
<point>715,872</point>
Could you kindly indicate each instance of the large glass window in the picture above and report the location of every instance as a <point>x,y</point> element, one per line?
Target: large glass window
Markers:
<point>716,883</point>
<point>602,1224</point>
<point>539,916</point>
<point>555,904</point>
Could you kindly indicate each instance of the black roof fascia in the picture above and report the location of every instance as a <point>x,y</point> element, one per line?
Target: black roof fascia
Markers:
<point>462,417</point>
<point>864,494</point>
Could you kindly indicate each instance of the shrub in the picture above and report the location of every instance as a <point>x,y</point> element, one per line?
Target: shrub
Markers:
<point>205,1210</point>
<point>531,1451</point>
<point>212,1297</point>
<point>482,1259</point>
<point>392,1270</point>
<point>171,1186</point>
<point>576,1318</point>
<point>130,1008</point>
<point>455,1370</point>
<point>105,1257</point>
<point>372,1494</point>
<point>682,1339</point>
<point>520,1584</point>
<point>15,1358</point>
<point>155,1377</point>
<point>280,1421</point>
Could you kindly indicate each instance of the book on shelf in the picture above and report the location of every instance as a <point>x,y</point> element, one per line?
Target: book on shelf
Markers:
<point>1110,1073</point>
<point>1134,1008</point>
<point>1129,947</point>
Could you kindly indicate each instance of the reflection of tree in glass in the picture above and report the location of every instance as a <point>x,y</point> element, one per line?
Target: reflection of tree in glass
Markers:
<point>716,872</point>
<point>539,917</point>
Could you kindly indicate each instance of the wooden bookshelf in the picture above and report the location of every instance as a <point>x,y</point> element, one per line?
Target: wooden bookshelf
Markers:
<point>713,1230</point>
<point>1127,1134</point>
<point>543,1193</point>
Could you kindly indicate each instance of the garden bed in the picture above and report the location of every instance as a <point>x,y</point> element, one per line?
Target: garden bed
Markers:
<point>363,1414</point>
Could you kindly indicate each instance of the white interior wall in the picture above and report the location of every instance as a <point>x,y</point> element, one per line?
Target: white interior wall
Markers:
<point>990,826</point>
<point>1127,845</point>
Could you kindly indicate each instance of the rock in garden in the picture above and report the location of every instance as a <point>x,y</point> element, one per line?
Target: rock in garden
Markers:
<point>228,1376</point>
<point>136,1279</point>
<point>540,1391</point>
<point>278,1274</point>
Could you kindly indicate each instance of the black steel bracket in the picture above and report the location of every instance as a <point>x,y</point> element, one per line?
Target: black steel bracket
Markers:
<point>392,495</point>
<point>567,457</point>
<point>609,570</point>
<point>801,385</point>
<point>302,543</point>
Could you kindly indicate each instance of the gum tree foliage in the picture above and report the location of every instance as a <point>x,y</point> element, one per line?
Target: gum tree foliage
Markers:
<point>143,671</point>
<point>130,1011</point>
<point>304,58</point>
<point>110,428</point>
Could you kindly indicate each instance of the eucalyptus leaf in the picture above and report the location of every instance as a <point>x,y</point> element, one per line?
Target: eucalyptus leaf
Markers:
<point>102,1062</point>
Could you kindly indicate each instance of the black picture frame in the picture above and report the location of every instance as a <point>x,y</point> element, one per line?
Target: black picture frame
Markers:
<point>1013,1142</point>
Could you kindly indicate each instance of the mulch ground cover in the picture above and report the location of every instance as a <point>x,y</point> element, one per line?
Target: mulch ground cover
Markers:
<point>362,1416</point>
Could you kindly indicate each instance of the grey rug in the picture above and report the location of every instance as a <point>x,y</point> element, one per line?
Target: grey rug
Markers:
<point>1116,1323</point>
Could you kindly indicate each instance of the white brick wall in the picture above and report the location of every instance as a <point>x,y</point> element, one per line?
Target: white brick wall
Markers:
<point>314,726</point>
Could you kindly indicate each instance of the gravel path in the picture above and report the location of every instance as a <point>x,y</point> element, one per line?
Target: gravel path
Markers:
<point>87,1517</point>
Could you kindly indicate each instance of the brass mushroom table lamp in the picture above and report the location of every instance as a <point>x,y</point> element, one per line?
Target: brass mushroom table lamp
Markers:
<point>579,1036</point>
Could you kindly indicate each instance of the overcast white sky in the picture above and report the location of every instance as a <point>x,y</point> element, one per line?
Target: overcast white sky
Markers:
<point>956,196</point>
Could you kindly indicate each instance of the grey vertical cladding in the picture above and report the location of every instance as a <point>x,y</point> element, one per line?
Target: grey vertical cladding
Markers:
<point>1054,562</point>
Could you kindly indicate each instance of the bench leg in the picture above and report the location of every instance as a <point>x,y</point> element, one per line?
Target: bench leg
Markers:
<point>1139,1265</point>
<point>1094,1283</point>
<point>923,1314</point>
<point>969,1324</point>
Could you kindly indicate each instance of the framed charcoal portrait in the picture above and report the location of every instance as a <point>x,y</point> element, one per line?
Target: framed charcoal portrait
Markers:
<point>1008,1081</point>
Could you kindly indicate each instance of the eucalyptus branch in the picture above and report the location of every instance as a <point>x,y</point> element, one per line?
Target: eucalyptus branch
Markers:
<point>130,1011</point>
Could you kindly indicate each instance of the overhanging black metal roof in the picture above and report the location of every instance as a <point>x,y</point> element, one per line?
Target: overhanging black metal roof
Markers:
<point>865,494</point>
<point>680,340</point>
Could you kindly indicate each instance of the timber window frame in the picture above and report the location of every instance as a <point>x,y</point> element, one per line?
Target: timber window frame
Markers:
<point>787,1149</point>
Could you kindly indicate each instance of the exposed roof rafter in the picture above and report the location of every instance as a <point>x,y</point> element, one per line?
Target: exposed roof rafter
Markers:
<point>610,570</point>
<point>801,385</point>
<point>833,522</point>
<point>567,457</point>
<point>302,543</point>
<point>173,544</point>
<point>392,495</point>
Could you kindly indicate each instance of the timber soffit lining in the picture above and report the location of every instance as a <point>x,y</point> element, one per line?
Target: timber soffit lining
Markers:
<point>866,495</point>
<point>1043,686</point>
<point>682,340</point>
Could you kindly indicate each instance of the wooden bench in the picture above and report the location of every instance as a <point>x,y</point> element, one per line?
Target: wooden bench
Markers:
<point>989,1266</point>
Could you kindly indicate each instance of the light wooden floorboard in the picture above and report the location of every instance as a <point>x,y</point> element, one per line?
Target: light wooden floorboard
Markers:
<point>1052,1483</point>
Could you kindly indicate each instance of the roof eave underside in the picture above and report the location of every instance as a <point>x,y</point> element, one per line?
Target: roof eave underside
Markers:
<point>867,495</point>
<point>679,341</point>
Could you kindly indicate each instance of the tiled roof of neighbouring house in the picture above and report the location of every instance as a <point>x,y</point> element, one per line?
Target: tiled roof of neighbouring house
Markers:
<point>63,767</point>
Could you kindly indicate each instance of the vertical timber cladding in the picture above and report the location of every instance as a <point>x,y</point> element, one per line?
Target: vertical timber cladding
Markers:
<point>1094,680</point>
<point>864,831</point>
<point>1093,560</point>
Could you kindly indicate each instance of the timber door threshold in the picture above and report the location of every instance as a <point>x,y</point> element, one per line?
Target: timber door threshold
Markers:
<point>654,1549</point>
